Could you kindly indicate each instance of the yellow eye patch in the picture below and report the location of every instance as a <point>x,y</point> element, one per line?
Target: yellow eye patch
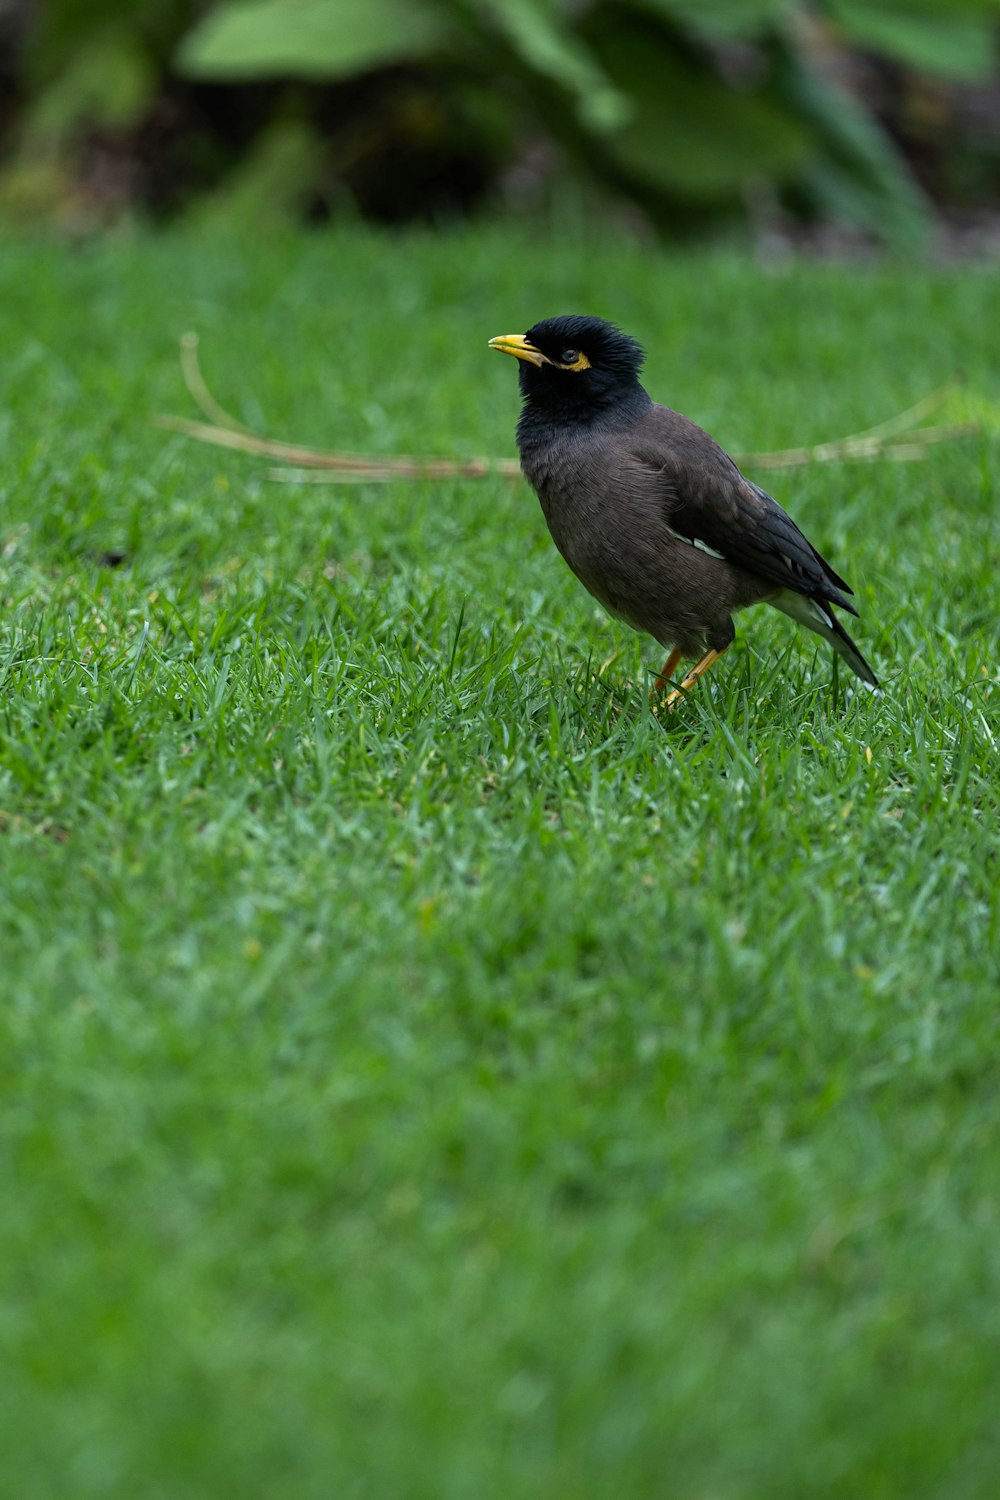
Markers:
<point>580,363</point>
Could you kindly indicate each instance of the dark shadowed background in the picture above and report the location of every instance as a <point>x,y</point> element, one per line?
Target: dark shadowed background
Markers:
<point>833,123</point>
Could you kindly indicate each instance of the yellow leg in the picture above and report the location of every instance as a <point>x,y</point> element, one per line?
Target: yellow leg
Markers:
<point>666,673</point>
<point>698,670</point>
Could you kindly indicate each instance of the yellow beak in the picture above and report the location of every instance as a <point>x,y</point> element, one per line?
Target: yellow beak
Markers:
<point>517,344</point>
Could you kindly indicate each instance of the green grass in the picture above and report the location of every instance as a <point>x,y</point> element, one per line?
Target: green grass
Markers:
<point>424,1074</point>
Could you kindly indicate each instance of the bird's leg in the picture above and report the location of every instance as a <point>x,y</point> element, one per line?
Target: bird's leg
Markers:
<point>698,670</point>
<point>667,671</point>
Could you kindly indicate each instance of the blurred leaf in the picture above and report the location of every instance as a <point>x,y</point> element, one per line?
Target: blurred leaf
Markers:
<point>59,31</point>
<point>691,134</point>
<point>721,18</point>
<point>273,181</point>
<point>936,9</point>
<point>109,81</point>
<point>308,38</point>
<point>956,46</point>
<point>863,179</point>
<point>541,37</point>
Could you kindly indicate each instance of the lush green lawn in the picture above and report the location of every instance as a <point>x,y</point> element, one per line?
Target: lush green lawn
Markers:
<point>424,1075</point>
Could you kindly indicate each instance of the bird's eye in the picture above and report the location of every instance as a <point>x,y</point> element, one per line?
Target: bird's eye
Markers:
<point>569,356</point>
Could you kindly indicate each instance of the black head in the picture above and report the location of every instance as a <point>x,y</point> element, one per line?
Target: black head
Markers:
<point>574,366</point>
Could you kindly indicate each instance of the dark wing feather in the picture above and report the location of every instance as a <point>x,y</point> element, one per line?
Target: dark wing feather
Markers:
<point>708,500</point>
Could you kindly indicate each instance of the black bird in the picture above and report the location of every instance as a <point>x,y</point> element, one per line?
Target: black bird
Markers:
<point>653,517</point>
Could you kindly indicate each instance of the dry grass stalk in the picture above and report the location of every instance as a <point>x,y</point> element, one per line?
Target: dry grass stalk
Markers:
<point>898,439</point>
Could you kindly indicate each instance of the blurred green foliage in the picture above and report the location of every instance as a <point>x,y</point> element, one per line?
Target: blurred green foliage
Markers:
<point>689,110</point>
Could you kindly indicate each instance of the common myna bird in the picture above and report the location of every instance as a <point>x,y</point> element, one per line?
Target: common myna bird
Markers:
<point>653,517</point>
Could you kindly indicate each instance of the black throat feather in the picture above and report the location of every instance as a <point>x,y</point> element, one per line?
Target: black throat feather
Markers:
<point>606,392</point>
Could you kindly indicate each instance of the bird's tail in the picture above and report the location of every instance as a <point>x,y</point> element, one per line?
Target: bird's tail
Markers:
<point>816,614</point>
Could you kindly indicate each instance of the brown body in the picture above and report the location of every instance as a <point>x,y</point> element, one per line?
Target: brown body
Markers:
<point>606,500</point>
<point>651,514</point>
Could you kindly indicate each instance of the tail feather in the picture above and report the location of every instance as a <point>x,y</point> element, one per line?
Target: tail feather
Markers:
<point>816,615</point>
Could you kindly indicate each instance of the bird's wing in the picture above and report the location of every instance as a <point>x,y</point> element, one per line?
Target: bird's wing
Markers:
<point>710,504</point>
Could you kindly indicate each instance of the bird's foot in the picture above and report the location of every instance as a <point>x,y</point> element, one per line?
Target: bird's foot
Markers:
<point>698,670</point>
<point>666,674</point>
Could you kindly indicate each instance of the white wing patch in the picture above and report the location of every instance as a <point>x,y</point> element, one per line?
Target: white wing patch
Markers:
<point>804,610</point>
<point>694,542</point>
